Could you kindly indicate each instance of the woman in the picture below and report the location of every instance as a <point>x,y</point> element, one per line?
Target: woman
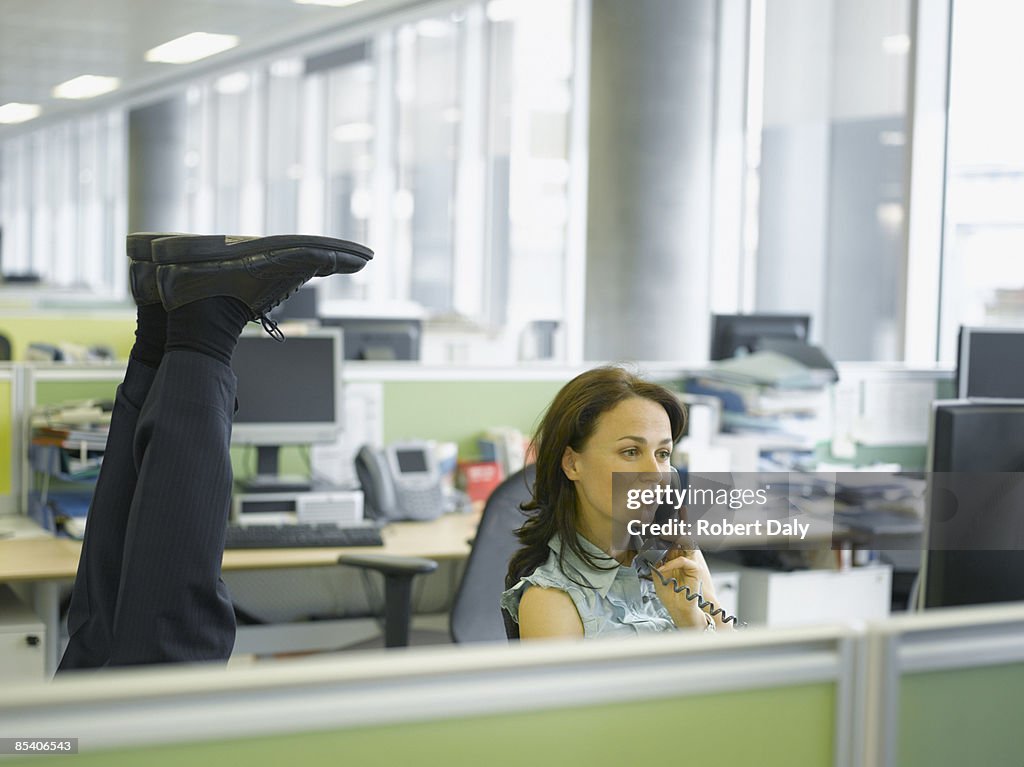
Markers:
<point>570,579</point>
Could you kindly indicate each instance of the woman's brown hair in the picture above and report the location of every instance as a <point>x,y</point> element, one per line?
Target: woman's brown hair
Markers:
<point>568,422</point>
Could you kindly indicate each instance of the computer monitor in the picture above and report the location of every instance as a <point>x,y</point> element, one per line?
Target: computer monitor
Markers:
<point>970,444</point>
<point>379,339</point>
<point>990,363</point>
<point>289,393</point>
<point>732,333</point>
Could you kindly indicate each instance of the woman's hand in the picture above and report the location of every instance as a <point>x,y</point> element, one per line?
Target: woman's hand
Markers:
<point>690,569</point>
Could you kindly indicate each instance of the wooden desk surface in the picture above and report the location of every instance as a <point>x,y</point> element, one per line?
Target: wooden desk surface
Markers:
<point>50,558</point>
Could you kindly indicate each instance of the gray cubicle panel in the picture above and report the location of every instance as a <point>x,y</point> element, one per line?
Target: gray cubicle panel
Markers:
<point>780,697</point>
<point>949,688</point>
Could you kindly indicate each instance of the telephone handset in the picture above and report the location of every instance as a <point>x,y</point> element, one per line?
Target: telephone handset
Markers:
<point>401,481</point>
<point>646,563</point>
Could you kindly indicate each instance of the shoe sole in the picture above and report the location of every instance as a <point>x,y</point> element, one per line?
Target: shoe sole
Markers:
<point>184,250</point>
<point>140,244</point>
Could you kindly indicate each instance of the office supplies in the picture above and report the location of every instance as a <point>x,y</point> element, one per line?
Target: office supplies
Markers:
<point>299,536</point>
<point>288,394</point>
<point>402,481</point>
<point>880,521</point>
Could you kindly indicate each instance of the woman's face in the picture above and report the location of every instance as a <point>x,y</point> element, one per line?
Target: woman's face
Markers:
<point>634,436</point>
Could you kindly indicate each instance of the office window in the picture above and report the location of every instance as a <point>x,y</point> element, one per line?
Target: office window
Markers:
<point>63,202</point>
<point>349,87</point>
<point>830,170</point>
<point>427,135</point>
<point>224,157</point>
<point>286,117</point>
<point>982,264</point>
<point>530,89</point>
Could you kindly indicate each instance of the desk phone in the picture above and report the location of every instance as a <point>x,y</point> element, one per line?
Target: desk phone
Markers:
<point>401,481</point>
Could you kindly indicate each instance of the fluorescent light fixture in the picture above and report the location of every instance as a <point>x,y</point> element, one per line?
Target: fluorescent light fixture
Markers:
<point>16,112</point>
<point>86,87</point>
<point>353,132</point>
<point>191,47</point>
<point>332,3</point>
<point>896,45</point>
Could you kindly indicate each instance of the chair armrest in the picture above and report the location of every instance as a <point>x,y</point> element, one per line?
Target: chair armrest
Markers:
<point>387,564</point>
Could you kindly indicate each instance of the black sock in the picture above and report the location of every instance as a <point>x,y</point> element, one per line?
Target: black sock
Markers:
<point>210,326</point>
<point>150,335</point>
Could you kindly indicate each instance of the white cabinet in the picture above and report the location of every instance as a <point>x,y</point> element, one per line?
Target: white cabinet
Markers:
<point>803,597</point>
<point>22,641</point>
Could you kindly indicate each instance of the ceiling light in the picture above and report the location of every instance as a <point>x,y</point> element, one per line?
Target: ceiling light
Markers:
<point>16,112</point>
<point>896,45</point>
<point>86,87</point>
<point>191,47</point>
<point>333,3</point>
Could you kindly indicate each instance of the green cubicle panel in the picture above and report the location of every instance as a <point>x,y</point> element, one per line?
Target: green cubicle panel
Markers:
<point>6,430</point>
<point>962,716</point>
<point>757,697</point>
<point>114,329</point>
<point>950,686</point>
<point>458,411</point>
<point>781,727</point>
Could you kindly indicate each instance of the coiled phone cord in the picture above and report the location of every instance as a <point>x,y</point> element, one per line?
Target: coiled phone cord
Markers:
<point>702,603</point>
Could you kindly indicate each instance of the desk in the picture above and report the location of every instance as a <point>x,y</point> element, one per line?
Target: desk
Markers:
<point>43,561</point>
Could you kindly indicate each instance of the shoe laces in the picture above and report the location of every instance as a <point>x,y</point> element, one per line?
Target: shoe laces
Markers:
<point>271,327</point>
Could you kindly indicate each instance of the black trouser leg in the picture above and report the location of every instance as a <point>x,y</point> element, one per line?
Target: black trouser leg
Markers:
<point>93,599</point>
<point>171,603</point>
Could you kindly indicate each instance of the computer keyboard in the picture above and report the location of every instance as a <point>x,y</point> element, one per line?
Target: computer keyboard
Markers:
<point>300,536</point>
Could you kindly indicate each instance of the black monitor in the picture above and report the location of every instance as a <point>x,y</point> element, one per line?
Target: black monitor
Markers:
<point>976,454</point>
<point>740,333</point>
<point>289,393</point>
<point>378,339</point>
<point>990,363</point>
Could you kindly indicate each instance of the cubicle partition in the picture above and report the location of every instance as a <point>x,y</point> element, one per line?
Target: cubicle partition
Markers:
<point>949,688</point>
<point>765,698</point>
<point>939,688</point>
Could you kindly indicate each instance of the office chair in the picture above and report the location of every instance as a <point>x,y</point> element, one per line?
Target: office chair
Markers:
<point>398,573</point>
<point>5,348</point>
<point>476,615</point>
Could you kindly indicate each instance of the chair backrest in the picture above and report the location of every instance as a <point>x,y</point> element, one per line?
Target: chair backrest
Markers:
<point>476,614</point>
<point>5,348</point>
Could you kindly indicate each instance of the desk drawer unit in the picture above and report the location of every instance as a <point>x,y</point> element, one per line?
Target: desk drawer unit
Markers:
<point>22,645</point>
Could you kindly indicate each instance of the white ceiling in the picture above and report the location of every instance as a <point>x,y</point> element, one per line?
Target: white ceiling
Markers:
<point>46,42</point>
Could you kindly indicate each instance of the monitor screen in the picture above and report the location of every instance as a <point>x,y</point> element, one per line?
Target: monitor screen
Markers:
<point>288,392</point>
<point>979,450</point>
<point>739,333</point>
<point>378,339</point>
<point>990,363</point>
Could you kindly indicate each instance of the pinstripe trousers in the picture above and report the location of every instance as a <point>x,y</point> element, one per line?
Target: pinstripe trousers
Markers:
<point>148,587</point>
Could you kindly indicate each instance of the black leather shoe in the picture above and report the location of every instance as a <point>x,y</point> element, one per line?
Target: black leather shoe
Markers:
<point>142,270</point>
<point>260,271</point>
